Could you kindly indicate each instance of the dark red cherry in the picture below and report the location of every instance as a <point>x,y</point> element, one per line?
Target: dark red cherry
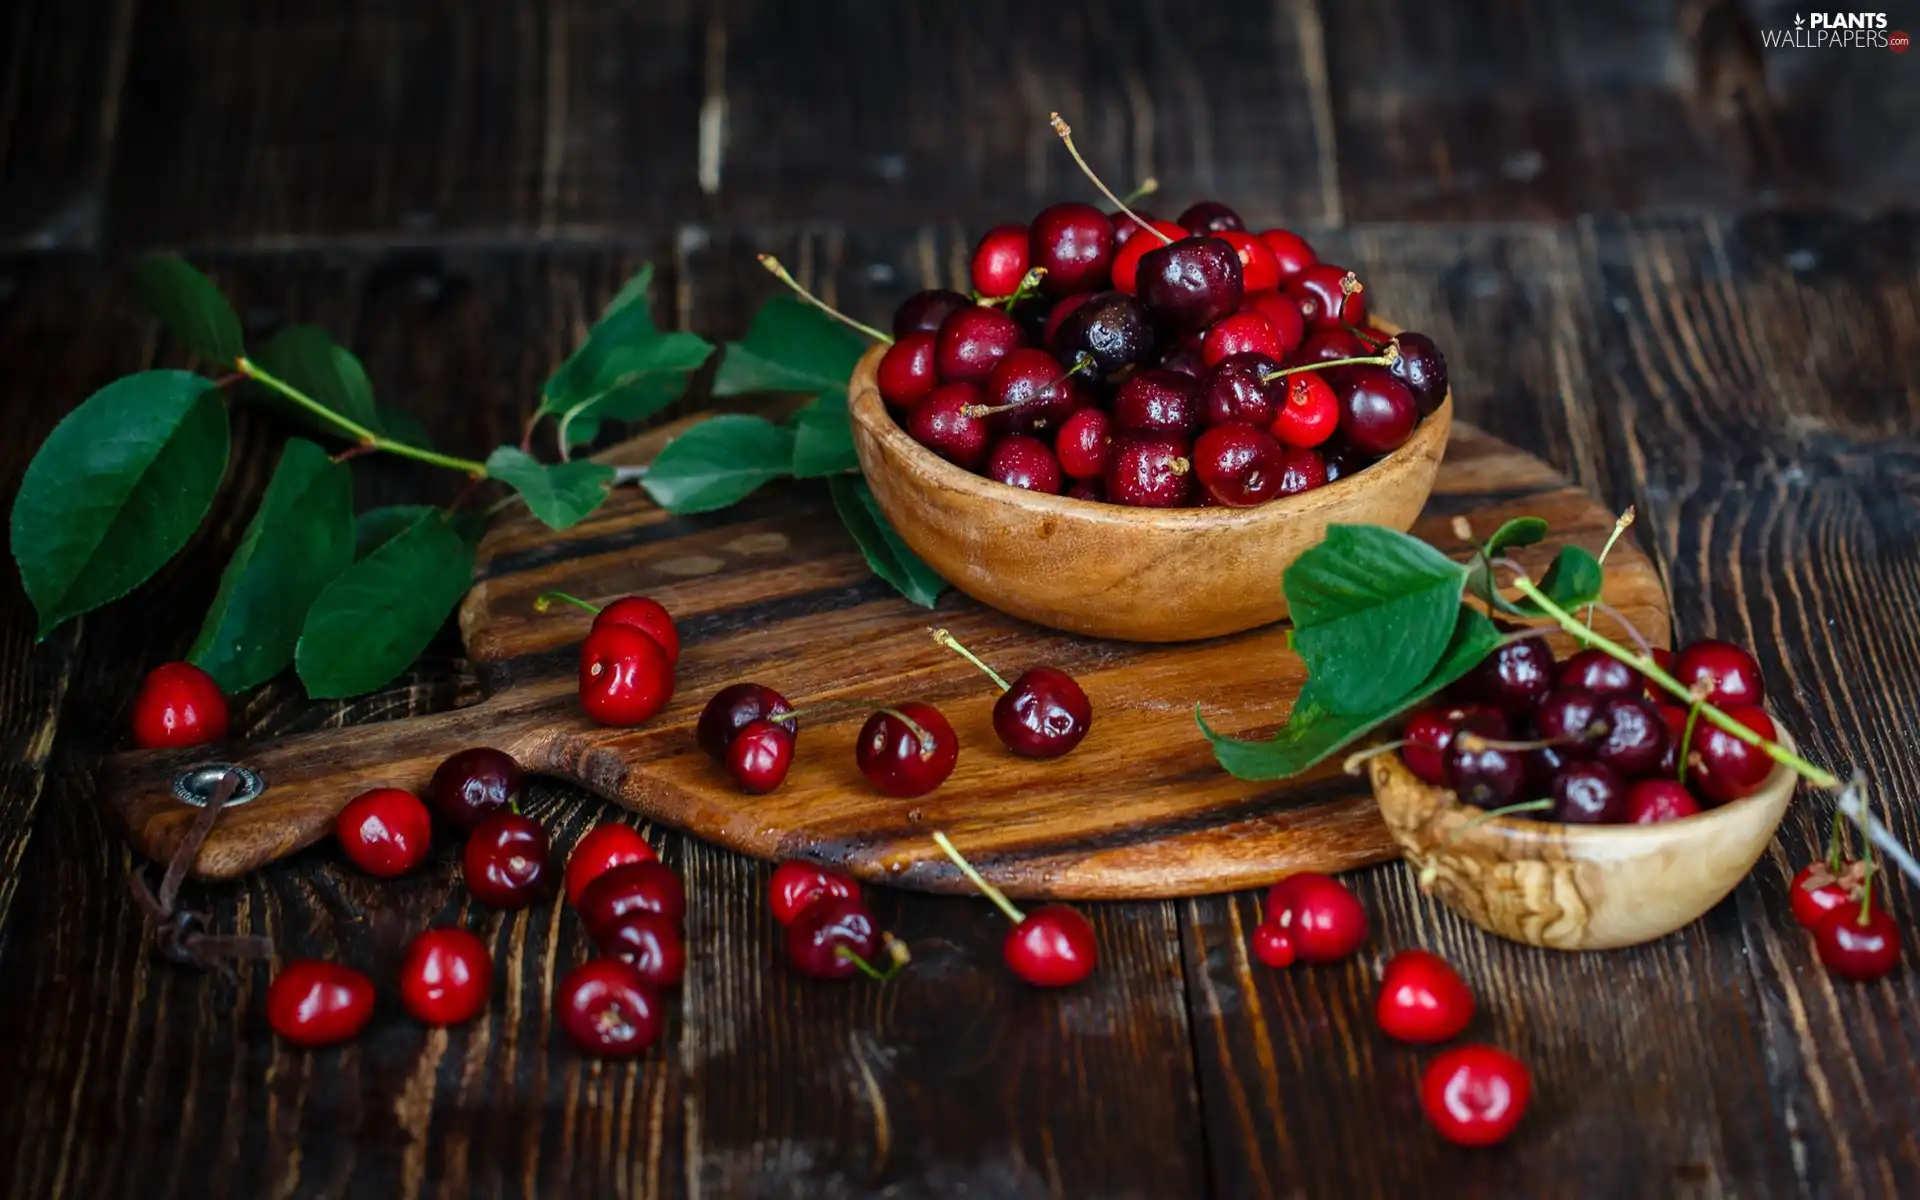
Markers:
<point>1636,737</point>
<point>607,1010</point>
<point>1031,392</point>
<point>1024,462</point>
<point>1043,714</point>
<point>1209,216</point>
<point>1322,282</point>
<point>923,312</point>
<point>945,423</point>
<point>1000,260</point>
<point>1235,389</point>
<point>1058,312</point>
<point>1053,946</point>
<point>1156,400</point>
<point>651,944</point>
<point>1722,766</point>
<point>1290,252</point>
<point>908,750</point>
<point>1075,243</point>
<point>732,709</point>
<point>1377,412</point>
<point>1111,331</point>
<point>1238,465</point>
<point>1126,260</point>
<point>972,342</point>
<point>1858,946</point>
<point>474,784</point>
<point>826,932</point>
<point>1651,801</point>
<point>1184,359</point>
<point>1088,489</point>
<point>906,372</point>
<point>1344,458</point>
<point>760,756</point>
<point>1589,793</point>
<point>1240,332</point>
<point>630,888</point>
<point>1082,443</point>
<point>1544,763</point>
<point>1331,345</point>
<point>1602,674</point>
<point>797,884</point>
<point>1513,677</point>
<point>1729,671</point>
<point>507,861</point>
<point>1429,731</point>
<point>1483,775</point>
<point>1301,471</point>
<point>1423,369</point>
<point>1192,283</point>
<point>1124,226</point>
<point>1569,716</point>
<point>1150,471</point>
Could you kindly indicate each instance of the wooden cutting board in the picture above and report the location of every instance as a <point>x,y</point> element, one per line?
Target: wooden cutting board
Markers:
<point>773,590</point>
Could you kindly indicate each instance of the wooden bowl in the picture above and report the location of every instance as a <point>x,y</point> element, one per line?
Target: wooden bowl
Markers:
<point>1136,574</point>
<point>1577,887</point>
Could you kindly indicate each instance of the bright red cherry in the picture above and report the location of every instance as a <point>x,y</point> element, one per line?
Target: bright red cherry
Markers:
<point>1291,254</point>
<point>1310,413</point>
<point>1052,946</point>
<point>312,1003</point>
<point>1000,260</point>
<point>1259,270</point>
<point>1240,332</point>
<point>1475,1095</point>
<point>1422,999</point>
<point>1289,327</point>
<point>1083,442</point>
<point>760,756</point>
<point>446,977</point>
<point>625,676</point>
<point>178,705</point>
<point>1057,315</point>
<point>1730,672</point>
<point>506,861</point>
<point>972,342</point>
<point>1156,400</point>
<point>1074,242</point>
<point>796,884</point>
<point>1024,462</point>
<point>1651,801</point>
<point>385,832</point>
<point>1324,919</point>
<point>826,936</point>
<point>472,785</point>
<point>601,849</point>
<point>1126,260</point>
<point>1858,945</point>
<point>647,615</point>
<point>732,709</point>
<point>1817,891</point>
<point>1272,945</point>
<point>945,423</point>
<point>906,751</point>
<point>651,943</point>
<point>906,372</point>
<point>606,1009</point>
<point>630,888</point>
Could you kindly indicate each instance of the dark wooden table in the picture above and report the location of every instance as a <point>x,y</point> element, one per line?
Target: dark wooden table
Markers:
<point>1680,268</point>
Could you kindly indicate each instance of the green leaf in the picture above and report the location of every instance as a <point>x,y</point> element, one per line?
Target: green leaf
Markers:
<point>380,613</point>
<point>378,526</point>
<point>792,347</point>
<point>117,488</point>
<point>401,426</point>
<point>1520,531</point>
<point>560,494</point>
<point>719,462</point>
<point>313,363</point>
<point>1372,610</point>
<point>823,438</point>
<point>625,370</point>
<point>299,539</point>
<point>889,557</point>
<point>191,308</point>
<point>1574,578</point>
<point>1312,733</point>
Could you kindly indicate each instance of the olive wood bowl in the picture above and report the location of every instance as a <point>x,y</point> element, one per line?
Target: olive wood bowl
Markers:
<point>1577,887</point>
<point>1135,574</point>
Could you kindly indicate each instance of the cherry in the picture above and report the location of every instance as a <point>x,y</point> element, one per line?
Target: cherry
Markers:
<point>1289,327</point>
<point>644,613</point>
<point>625,677</point>
<point>1210,216</point>
<point>944,423</point>
<point>906,751</point>
<point>1126,262</point>
<point>1024,462</point>
<point>601,849</point>
<point>1000,260</point>
<point>1043,713</point>
<point>1149,471</point>
<point>1544,764</point>
<point>1858,942</point>
<point>1156,400</point>
<point>1675,719</point>
<point>1514,677</point>
<point>1724,767</point>
<point>1082,443</point>
<point>1377,412</point>
<point>906,373</point>
<point>1088,489</point>
<point>506,861</point>
<point>922,312</point>
<point>1422,368</point>
<point>1075,243</point>
<point>474,784</point>
<point>1291,254</point>
<point>1126,224</point>
<point>1239,465</point>
<point>1331,345</point>
<point>732,709</point>
<point>1191,283</point>
<point>1568,716</point>
<point>1589,793</point>
<point>1052,946</point>
<point>312,1003</point>
<point>1422,999</point>
<point>832,938</point>
<point>972,341</point>
<point>1240,332</point>
<point>1324,919</point>
<point>1109,332</point>
<point>1272,945</point>
<point>1636,737</point>
<point>1059,312</point>
<point>1475,1095</point>
<point>385,832</point>
<point>1824,885</point>
<point>1344,458</point>
<point>796,884</point>
<point>1429,731</point>
<point>1321,282</point>
<point>445,977</point>
<point>630,888</point>
<point>607,1010</point>
<point>1309,414</point>
<point>1235,389</point>
<point>1028,392</point>
<point>651,943</point>
<point>1301,471</point>
<point>1184,359</point>
<point>760,757</point>
<point>1602,674</point>
<point>1259,270</point>
<point>178,705</point>
<point>1483,775</point>
<point>1651,801</point>
<point>1728,671</point>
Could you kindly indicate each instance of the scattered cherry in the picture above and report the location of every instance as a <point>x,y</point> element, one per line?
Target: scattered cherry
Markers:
<point>643,613</point>
<point>1859,942</point>
<point>506,861</point>
<point>473,785</point>
<point>1053,946</point>
<point>1043,713</point>
<point>630,888</point>
<point>1325,920</point>
<point>922,312</point>
<point>607,1010</point>
<point>1422,999</point>
<point>1730,673</point>
<point>1000,260</point>
<point>1272,945</point>
<point>906,751</point>
<point>732,709</point>
<point>312,1003</point>
<point>1024,462</point>
<point>825,938</point>
<point>445,977</point>
<point>1651,801</point>
<point>601,849</point>
<point>760,757</point>
<point>178,705</point>
<point>386,832</point>
<point>796,884</point>
<point>625,676</point>
<point>651,943</point>
<point>1475,1095</point>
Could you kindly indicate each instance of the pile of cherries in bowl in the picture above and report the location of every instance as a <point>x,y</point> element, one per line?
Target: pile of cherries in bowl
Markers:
<point>1148,364</point>
<point>1589,734</point>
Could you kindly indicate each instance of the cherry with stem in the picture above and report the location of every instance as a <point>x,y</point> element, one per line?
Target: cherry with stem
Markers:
<point>1053,946</point>
<point>1385,358</point>
<point>1066,135</point>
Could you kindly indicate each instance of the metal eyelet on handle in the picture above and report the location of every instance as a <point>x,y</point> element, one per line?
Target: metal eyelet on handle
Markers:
<point>196,786</point>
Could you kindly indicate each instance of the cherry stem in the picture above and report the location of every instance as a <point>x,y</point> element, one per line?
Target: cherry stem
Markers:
<point>927,743</point>
<point>1365,338</point>
<point>1481,818</point>
<point>1620,524</point>
<point>1686,742</point>
<point>779,272</point>
<point>1352,763</point>
<point>1470,741</point>
<point>1380,360</point>
<point>1029,284</point>
<point>1146,187</point>
<point>952,643</point>
<point>1877,835</point>
<point>1833,843</point>
<point>1066,135</point>
<point>545,601</point>
<point>978,880</point>
<point>896,951</point>
<point>353,429</point>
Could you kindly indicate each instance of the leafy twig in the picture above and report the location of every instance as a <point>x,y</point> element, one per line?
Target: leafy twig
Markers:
<point>360,433</point>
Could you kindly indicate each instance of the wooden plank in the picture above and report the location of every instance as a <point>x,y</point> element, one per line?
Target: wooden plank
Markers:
<point>59,111</point>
